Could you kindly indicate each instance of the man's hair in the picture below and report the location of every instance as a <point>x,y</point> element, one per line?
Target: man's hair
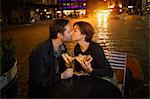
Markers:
<point>85,28</point>
<point>57,26</point>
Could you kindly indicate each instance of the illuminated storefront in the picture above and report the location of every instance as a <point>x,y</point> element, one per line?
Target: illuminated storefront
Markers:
<point>71,8</point>
<point>43,9</point>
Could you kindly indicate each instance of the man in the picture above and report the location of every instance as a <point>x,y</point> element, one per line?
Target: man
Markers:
<point>46,66</point>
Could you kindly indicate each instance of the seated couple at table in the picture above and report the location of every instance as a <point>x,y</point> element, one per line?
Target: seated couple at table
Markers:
<point>47,62</point>
<point>89,56</point>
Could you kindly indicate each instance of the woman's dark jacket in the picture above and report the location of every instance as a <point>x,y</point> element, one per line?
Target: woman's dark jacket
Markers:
<point>99,63</point>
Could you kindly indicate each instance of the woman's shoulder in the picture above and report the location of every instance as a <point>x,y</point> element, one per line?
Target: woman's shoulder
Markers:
<point>95,45</point>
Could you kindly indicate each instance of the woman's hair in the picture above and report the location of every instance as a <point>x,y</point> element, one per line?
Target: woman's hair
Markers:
<point>85,28</point>
<point>56,26</point>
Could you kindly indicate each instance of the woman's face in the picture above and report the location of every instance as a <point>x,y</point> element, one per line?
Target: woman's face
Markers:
<point>76,34</point>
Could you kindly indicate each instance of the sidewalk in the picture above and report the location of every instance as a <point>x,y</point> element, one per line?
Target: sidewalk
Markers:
<point>24,25</point>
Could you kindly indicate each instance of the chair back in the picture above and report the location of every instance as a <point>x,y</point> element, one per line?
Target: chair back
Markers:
<point>117,61</point>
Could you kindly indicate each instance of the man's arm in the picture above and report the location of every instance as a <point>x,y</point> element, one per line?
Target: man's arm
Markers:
<point>37,71</point>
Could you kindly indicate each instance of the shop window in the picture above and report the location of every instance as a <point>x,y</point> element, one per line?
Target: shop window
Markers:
<point>64,7</point>
<point>68,4</point>
<point>68,7</point>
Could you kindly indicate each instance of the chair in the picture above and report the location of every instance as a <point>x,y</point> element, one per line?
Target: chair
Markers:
<point>117,61</point>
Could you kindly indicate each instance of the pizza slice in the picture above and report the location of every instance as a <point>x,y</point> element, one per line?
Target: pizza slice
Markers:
<point>67,58</point>
<point>83,58</point>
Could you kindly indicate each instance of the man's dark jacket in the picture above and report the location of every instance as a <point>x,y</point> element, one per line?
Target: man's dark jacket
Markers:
<point>42,71</point>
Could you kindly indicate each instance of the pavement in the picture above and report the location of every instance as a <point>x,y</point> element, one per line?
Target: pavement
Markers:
<point>39,22</point>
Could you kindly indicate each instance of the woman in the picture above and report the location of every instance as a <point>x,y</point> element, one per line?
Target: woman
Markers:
<point>99,66</point>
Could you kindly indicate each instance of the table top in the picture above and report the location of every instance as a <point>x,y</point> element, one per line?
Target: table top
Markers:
<point>84,87</point>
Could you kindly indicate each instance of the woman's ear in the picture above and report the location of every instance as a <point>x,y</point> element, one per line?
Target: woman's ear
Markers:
<point>83,35</point>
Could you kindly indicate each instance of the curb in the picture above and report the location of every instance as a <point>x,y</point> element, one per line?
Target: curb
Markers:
<point>25,25</point>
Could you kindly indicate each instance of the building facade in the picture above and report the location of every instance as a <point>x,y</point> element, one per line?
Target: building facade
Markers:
<point>42,9</point>
<point>12,10</point>
<point>71,8</point>
<point>46,1</point>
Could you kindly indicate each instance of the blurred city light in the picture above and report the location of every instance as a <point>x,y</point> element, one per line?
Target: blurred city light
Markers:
<point>45,10</point>
<point>37,10</point>
<point>103,13</point>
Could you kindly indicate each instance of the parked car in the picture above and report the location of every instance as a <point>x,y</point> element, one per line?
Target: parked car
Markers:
<point>115,12</point>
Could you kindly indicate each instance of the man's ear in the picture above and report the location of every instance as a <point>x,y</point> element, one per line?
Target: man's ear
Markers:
<point>59,35</point>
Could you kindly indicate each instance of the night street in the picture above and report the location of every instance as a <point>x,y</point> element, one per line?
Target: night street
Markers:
<point>128,34</point>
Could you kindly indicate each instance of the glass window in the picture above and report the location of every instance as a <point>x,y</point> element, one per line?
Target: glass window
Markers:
<point>68,4</point>
<point>64,4</point>
<point>68,7</point>
<point>60,8</point>
<point>84,7</point>
<point>71,3</point>
<point>64,7</point>
<point>60,0</point>
<point>72,6</point>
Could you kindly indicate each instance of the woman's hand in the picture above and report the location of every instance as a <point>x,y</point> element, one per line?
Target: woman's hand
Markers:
<point>86,65</point>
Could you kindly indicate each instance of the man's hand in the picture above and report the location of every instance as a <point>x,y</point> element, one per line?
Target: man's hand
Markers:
<point>67,73</point>
<point>67,58</point>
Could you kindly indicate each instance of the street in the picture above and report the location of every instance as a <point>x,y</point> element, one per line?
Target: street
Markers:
<point>128,34</point>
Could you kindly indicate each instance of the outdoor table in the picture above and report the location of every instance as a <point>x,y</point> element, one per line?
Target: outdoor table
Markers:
<point>84,87</point>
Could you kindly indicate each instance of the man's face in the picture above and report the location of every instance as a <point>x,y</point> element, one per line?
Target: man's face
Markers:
<point>67,35</point>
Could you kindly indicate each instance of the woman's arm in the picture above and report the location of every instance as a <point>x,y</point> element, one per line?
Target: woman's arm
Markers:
<point>102,67</point>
